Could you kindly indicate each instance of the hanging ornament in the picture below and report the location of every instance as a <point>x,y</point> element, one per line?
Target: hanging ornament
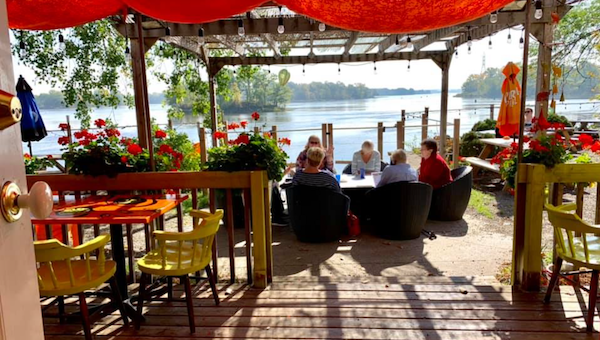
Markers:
<point>553,104</point>
<point>555,18</point>
<point>555,88</point>
<point>562,96</point>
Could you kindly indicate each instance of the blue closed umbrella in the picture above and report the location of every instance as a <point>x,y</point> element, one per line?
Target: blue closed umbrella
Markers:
<point>32,125</point>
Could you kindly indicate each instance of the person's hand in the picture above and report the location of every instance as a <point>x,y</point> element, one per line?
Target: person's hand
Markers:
<point>288,169</point>
<point>329,151</point>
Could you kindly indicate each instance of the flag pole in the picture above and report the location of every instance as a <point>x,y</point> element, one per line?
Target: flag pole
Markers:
<point>524,80</point>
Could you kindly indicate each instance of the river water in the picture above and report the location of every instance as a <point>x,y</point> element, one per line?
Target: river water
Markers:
<point>310,115</point>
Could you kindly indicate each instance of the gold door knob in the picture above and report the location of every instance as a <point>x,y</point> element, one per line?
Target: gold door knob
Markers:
<point>10,110</point>
<point>38,201</point>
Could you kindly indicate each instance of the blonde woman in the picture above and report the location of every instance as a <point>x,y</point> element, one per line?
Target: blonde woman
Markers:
<point>367,158</point>
<point>312,175</point>
<point>314,141</point>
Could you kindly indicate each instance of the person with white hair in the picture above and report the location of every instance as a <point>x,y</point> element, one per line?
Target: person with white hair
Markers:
<point>398,171</point>
<point>366,158</point>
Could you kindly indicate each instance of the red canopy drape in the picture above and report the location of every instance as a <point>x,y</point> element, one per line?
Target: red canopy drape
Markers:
<point>389,16</point>
<point>393,16</point>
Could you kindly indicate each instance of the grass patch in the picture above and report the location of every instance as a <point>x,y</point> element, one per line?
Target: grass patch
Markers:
<point>481,202</point>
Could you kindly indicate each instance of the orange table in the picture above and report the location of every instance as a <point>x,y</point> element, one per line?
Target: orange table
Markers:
<point>116,211</point>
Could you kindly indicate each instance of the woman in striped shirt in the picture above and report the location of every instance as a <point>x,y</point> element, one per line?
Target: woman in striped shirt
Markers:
<point>312,176</point>
<point>314,141</point>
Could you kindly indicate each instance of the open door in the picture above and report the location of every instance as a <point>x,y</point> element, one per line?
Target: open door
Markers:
<point>20,313</point>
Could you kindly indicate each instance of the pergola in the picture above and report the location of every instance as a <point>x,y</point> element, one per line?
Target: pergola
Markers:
<point>311,42</point>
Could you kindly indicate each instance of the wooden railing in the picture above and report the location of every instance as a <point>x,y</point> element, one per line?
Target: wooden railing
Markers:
<point>529,205</point>
<point>254,185</point>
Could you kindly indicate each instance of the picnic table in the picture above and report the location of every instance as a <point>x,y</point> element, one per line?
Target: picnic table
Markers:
<point>583,123</point>
<point>482,162</point>
<point>117,211</point>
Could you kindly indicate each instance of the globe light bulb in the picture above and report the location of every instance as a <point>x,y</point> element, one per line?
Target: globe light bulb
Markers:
<point>303,70</point>
<point>280,27</point>
<point>201,35</point>
<point>22,50</point>
<point>374,68</point>
<point>339,70</point>
<point>408,68</point>
<point>469,42</point>
<point>127,55</point>
<point>241,30</point>
<point>167,31</point>
<point>494,17</point>
<point>521,43</point>
<point>469,50</point>
<point>538,14</point>
<point>509,39</point>
<point>61,42</point>
<point>409,42</point>
<point>490,44</point>
<point>322,27</point>
<point>456,54</point>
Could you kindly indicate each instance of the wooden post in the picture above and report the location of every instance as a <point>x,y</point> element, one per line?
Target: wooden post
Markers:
<point>456,143</point>
<point>492,111</point>
<point>214,123</point>
<point>69,130</point>
<point>399,134</point>
<point>256,130</point>
<point>380,137</point>
<point>259,237</point>
<point>274,132</point>
<point>324,135</point>
<point>543,34</point>
<point>170,124</point>
<point>579,199</point>
<point>330,135</point>
<point>424,123</point>
<point>226,131</point>
<point>445,66</point>
<point>403,115</point>
<point>527,240</point>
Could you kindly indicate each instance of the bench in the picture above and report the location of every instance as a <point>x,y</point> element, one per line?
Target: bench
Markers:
<point>483,164</point>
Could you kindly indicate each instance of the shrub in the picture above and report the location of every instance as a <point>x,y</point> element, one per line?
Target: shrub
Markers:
<point>471,146</point>
<point>488,124</point>
<point>554,118</point>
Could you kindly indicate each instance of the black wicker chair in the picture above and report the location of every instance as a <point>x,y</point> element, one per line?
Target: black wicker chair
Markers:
<point>317,214</point>
<point>348,168</point>
<point>399,210</point>
<point>449,202</point>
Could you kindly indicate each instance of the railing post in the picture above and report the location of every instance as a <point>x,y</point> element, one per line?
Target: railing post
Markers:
<point>527,240</point>
<point>380,131</point>
<point>259,237</point>
<point>424,123</point>
<point>456,143</point>
<point>324,135</point>
<point>256,130</point>
<point>226,131</point>
<point>399,134</point>
<point>330,136</point>
<point>274,132</point>
<point>202,139</point>
<point>491,111</point>
<point>170,124</point>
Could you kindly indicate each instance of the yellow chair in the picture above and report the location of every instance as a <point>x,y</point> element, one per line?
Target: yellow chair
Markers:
<point>576,242</point>
<point>61,271</point>
<point>179,254</point>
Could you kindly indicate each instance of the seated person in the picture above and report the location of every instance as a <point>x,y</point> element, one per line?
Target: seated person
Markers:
<point>398,170</point>
<point>314,141</point>
<point>434,169</point>
<point>367,158</point>
<point>312,175</point>
<point>528,119</point>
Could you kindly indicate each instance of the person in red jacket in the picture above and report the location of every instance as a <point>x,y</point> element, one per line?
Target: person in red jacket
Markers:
<point>434,169</point>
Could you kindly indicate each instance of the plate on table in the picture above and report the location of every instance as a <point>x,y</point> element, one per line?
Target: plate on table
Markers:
<point>74,212</point>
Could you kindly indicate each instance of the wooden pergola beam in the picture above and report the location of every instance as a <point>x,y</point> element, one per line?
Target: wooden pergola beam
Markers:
<point>236,47</point>
<point>350,42</point>
<point>390,41</point>
<point>273,45</point>
<point>190,44</point>
<point>435,36</point>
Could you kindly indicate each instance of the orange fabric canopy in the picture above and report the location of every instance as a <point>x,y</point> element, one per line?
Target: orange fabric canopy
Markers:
<point>389,16</point>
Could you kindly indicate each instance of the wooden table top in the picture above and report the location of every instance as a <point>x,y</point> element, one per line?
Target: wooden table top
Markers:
<point>119,209</point>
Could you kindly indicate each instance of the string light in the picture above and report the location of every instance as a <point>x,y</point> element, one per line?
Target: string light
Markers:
<point>409,42</point>
<point>241,30</point>
<point>469,39</point>
<point>167,31</point>
<point>234,70</point>
<point>509,38</point>
<point>397,40</point>
<point>538,10</point>
<point>339,69</point>
<point>61,42</point>
<point>280,27</point>
<point>201,35</point>
<point>408,68</point>
<point>494,17</point>
<point>490,43</point>
<point>269,68</point>
<point>456,54</point>
<point>303,70</point>
<point>127,51</point>
<point>22,48</point>
<point>469,50</point>
<point>322,27</point>
<point>521,43</point>
<point>374,67</point>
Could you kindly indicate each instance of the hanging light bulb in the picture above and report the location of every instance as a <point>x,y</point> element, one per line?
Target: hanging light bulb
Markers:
<point>469,50</point>
<point>61,42</point>
<point>494,17</point>
<point>127,52</point>
<point>456,54</point>
<point>167,31</point>
<point>339,69</point>
<point>303,70</point>
<point>521,43</point>
<point>322,27</point>
<point>490,43</point>
<point>469,40</point>
<point>269,68</point>
<point>397,40</point>
<point>374,67</point>
<point>241,30</point>
<point>22,49</point>
<point>408,68</point>
<point>538,10</point>
<point>509,38</point>
<point>409,42</point>
<point>280,27</point>
<point>201,35</point>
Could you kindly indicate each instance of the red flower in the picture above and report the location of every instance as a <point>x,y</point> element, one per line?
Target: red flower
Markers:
<point>112,133</point>
<point>165,149</point>
<point>586,140</point>
<point>537,146</point>
<point>126,141</point>
<point>49,157</point>
<point>233,126</point>
<point>84,142</point>
<point>243,123</point>
<point>80,134</point>
<point>526,139</point>
<point>27,156</point>
<point>595,147</point>
<point>255,115</point>
<point>63,140</point>
<point>63,126</point>
<point>220,135</point>
<point>91,136</point>
<point>267,135</point>
<point>134,149</point>
<point>285,141</point>
<point>100,123</point>
<point>124,159</point>
<point>160,134</point>
<point>242,139</point>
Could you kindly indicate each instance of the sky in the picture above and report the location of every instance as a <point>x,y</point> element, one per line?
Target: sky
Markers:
<point>423,74</point>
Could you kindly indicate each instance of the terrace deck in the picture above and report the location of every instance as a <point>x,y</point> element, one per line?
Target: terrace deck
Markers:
<point>356,308</point>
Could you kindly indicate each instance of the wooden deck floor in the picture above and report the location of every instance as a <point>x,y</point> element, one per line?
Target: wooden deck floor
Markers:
<point>412,308</point>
